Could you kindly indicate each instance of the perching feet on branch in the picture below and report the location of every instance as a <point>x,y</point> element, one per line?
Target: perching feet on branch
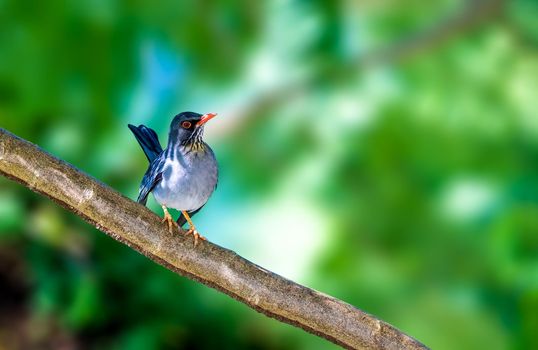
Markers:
<point>168,218</point>
<point>192,230</point>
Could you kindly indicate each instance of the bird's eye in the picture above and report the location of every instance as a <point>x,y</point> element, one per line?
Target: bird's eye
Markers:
<point>186,125</point>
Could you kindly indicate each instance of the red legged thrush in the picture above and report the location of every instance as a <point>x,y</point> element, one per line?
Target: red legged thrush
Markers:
<point>184,175</point>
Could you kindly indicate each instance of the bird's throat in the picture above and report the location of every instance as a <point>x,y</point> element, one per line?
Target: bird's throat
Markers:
<point>194,143</point>
<point>193,147</point>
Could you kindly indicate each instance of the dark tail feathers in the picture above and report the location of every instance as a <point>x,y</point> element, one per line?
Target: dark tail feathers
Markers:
<point>148,140</point>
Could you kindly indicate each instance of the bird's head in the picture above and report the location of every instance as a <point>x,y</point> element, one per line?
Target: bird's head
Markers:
<point>187,128</point>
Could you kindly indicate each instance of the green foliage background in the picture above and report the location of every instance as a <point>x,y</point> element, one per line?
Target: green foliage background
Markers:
<point>407,187</point>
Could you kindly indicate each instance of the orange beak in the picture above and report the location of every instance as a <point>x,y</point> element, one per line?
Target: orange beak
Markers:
<point>205,118</point>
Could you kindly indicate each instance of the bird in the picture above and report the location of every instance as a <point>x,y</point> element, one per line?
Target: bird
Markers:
<point>183,175</point>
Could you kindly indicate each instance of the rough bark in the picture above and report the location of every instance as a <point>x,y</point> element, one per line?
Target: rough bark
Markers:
<point>212,265</point>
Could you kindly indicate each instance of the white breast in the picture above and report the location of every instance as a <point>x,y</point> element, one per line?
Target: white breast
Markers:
<point>188,181</point>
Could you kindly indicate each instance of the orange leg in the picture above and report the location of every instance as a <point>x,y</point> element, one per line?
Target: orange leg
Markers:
<point>192,229</point>
<point>168,218</point>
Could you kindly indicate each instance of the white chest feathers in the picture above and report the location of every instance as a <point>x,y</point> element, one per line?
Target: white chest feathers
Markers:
<point>188,180</point>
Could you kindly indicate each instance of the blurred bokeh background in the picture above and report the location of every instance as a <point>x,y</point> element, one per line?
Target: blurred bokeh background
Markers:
<point>384,152</point>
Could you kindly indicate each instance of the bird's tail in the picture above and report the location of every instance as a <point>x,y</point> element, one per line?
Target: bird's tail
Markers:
<point>148,140</point>
<point>181,220</point>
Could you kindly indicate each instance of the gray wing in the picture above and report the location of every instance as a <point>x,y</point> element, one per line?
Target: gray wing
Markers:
<point>151,178</point>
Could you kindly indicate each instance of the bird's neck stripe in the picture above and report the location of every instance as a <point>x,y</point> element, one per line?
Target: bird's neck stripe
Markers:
<point>194,142</point>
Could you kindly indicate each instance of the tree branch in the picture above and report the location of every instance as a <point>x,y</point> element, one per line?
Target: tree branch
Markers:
<point>216,267</point>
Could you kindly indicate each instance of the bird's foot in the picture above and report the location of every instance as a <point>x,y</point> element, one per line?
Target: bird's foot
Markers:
<point>168,218</point>
<point>197,236</point>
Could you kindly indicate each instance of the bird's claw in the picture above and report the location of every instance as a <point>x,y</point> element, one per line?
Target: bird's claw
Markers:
<point>168,218</point>
<point>197,236</point>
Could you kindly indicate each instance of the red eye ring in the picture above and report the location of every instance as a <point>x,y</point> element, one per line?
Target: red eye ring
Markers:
<point>186,125</point>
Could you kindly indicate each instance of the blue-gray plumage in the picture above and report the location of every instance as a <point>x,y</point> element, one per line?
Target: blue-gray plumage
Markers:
<point>184,175</point>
